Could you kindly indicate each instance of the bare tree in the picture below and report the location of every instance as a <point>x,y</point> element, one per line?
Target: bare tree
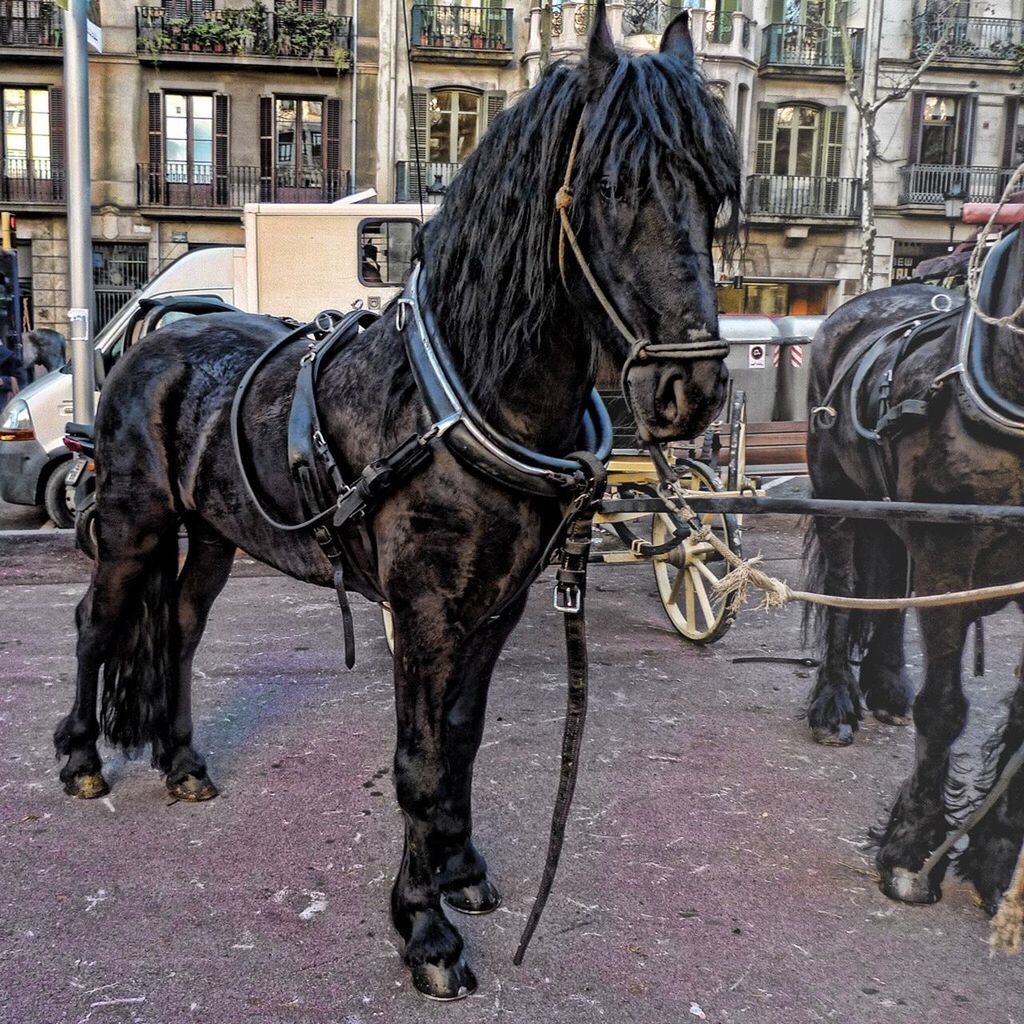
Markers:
<point>880,95</point>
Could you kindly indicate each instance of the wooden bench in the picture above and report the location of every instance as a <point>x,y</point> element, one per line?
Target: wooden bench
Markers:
<point>781,445</point>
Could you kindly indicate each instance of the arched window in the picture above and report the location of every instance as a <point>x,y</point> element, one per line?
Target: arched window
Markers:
<point>799,140</point>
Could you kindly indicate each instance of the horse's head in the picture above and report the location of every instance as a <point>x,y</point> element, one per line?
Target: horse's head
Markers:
<point>656,162</point>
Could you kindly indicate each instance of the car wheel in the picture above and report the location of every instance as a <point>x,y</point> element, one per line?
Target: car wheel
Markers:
<point>59,504</point>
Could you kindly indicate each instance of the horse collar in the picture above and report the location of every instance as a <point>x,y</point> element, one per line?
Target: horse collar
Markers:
<point>473,441</point>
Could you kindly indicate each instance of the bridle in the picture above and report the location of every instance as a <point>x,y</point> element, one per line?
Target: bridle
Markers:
<point>640,350</point>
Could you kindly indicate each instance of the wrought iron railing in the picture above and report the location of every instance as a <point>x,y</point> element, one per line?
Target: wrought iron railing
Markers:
<point>809,45</point>
<point>30,23</point>
<point>648,16</point>
<point>967,38</point>
<point>31,181</point>
<point>582,17</point>
<point>425,181</point>
<point>206,186</point>
<point>930,183</point>
<point>719,28</point>
<point>250,30</point>
<point>784,195</point>
<point>443,27</point>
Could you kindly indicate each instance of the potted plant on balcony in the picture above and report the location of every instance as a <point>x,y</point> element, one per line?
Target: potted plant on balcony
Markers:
<point>476,41</point>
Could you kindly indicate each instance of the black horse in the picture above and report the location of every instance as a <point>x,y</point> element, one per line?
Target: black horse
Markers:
<point>948,430</point>
<point>656,160</point>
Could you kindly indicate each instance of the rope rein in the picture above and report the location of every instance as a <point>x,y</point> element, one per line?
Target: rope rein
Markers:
<point>978,257</point>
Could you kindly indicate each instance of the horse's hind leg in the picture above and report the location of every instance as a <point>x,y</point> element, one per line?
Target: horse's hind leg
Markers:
<point>991,857</point>
<point>917,823</point>
<point>834,708</point>
<point>884,680</point>
<point>202,578</point>
<point>98,618</point>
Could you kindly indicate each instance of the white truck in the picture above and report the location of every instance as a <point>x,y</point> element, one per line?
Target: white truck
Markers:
<point>297,260</point>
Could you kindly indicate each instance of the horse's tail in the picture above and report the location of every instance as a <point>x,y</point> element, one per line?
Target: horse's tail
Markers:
<point>880,567</point>
<point>142,666</point>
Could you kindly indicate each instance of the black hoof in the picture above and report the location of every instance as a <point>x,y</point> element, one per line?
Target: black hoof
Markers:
<point>839,736</point>
<point>192,788</point>
<point>87,787</point>
<point>909,886</point>
<point>444,983</point>
<point>481,898</point>
<point>891,718</point>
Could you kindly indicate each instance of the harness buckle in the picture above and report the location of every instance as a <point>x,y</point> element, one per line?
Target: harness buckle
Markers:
<point>309,356</point>
<point>638,548</point>
<point>567,599</point>
<point>401,315</point>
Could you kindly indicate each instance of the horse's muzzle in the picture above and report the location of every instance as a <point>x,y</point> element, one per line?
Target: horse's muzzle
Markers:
<point>675,400</point>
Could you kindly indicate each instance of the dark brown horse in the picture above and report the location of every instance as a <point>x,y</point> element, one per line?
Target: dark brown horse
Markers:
<point>656,160</point>
<point>950,428</point>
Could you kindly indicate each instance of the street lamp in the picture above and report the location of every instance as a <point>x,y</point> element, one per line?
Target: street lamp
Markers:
<point>954,207</point>
<point>436,190</point>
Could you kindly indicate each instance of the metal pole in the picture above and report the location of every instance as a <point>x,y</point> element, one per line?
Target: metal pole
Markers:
<point>79,198</point>
<point>354,29</point>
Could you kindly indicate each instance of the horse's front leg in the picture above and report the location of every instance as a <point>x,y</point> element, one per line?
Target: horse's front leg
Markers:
<point>917,822</point>
<point>441,683</point>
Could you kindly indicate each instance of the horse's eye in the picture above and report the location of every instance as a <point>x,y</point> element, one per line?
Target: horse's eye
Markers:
<point>611,191</point>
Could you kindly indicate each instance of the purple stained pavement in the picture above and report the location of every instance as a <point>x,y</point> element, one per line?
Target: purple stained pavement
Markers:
<point>712,864</point>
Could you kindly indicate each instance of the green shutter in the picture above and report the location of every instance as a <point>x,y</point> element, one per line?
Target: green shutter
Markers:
<point>832,141</point>
<point>764,158</point>
<point>494,104</point>
<point>416,145</point>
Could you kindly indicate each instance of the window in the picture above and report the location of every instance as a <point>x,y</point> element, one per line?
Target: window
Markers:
<point>386,251</point>
<point>454,125</point>
<point>799,140</point>
<point>939,130</point>
<point>188,139</point>
<point>300,149</point>
<point>26,138</point>
<point>300,142</point>
<point>942,129</point>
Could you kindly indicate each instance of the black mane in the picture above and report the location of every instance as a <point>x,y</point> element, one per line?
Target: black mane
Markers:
<point>496,235</point>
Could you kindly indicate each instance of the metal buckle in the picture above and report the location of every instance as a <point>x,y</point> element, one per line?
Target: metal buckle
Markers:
<point>400,316</point>
<point>309,356</point>
<point>568,599</point>
<point>639,546</point>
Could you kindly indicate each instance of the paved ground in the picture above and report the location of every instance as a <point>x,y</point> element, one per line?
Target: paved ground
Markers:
<point>712,866</point>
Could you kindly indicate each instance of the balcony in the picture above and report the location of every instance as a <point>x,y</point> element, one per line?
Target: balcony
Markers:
<point>250,32</point>
<point>927,184</point>
<point>205,187</point>
<point>721,29</point>
<point>647,17</point>
<point>31,181</point>
<point>479,35</point>
<point>581,15</point>
<point>967,39</point>
<point>793,196</point>
<point>409,188</point>
<point>30,25</point>
<point>815,49</point>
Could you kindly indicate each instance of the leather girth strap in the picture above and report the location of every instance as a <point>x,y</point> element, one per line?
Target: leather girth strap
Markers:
<point>310,460</point>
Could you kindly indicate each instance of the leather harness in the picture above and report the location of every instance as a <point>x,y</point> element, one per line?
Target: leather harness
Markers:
<point>881,357</point>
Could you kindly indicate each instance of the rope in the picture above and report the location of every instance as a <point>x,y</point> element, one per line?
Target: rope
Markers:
<point>977,258</point>
<point>745,576</point>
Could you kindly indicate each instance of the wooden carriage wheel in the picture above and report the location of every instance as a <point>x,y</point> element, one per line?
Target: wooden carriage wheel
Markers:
<point>686,574</point>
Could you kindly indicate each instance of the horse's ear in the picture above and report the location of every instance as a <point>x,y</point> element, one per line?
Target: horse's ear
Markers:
<point>677,38</point>
<point>601,55</point>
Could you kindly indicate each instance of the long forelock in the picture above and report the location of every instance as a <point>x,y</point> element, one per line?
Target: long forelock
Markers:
<point>496,235</point>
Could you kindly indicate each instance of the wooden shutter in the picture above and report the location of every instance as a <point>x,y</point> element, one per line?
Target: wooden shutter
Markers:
<point>417,151</point>
<point>154,174</point>
<point>266,149</point>
<point>494,104</point>
<point>334,186</point>
<point>1013,142</point>
<point>764,157</point>
<point>832,142</point>
<point>221,107</point>
<point>916,124</point>
<point>58,156</point>
<point>966,118</point>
